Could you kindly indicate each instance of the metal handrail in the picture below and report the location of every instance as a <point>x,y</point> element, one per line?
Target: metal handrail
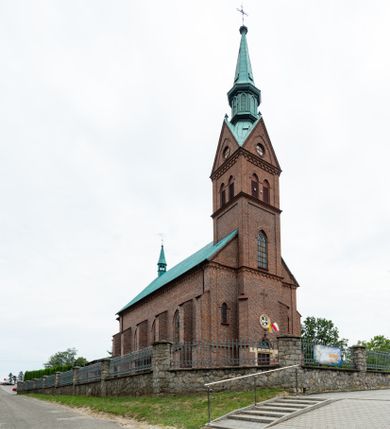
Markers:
<point>209,390</point>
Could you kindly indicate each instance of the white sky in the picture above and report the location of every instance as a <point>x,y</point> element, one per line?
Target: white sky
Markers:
<point>110,114</point>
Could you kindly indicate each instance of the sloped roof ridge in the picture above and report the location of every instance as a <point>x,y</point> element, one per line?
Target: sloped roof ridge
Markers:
<point>205,253</point>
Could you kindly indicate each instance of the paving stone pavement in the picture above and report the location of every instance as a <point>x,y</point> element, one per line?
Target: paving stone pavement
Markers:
<point>352,410</point>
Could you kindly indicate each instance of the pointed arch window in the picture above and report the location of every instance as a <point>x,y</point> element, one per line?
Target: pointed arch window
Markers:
<point>262,251</point>
<point>243,103</point>
<point>154,331</point>
<point>224,314</point>
<point>176,327</point>
<point>222,195</point>
<point>255,186</point>
<point>231,188</point>
<point>135,341</point>
<point>266,191</point>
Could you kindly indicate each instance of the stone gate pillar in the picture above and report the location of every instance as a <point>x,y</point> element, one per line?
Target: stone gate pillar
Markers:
<point>290,353</point>
<point>359,358</point>
<point>104,374</point>
<point>289,350</point>
<point>161,363</point>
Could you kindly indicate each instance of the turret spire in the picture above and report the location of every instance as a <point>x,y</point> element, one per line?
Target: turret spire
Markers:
<point>244,97</point>
<point>161,264</point>
<point>243,68</point>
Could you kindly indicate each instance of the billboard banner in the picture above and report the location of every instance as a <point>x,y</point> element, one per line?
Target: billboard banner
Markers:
<point>327,355</point>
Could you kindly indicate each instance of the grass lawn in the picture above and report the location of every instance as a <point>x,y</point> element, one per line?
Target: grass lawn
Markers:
<point>180,411</point>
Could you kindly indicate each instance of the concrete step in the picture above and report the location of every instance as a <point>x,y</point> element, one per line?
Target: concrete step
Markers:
<point>308,398</point>
<point>268,413</point>
<point>236,424</point>
<point>295,401</point>
<point>291,405</point>
<point>250,418</point>
<point>262,412</point>
<point>281,408</point>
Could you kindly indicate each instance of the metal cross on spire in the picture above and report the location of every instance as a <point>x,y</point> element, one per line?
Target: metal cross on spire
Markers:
<point>243,13</point>
<point>162,236</point>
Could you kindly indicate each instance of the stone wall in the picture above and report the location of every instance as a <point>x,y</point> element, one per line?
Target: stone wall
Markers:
<point>161,378</point>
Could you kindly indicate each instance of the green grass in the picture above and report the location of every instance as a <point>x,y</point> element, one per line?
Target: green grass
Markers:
<point>180,411</point>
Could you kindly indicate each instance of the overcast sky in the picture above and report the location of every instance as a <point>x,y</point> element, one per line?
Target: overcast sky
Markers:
<point>110,114</point>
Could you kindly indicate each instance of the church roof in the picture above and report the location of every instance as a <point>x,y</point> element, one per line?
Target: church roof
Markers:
<point>204,254</point>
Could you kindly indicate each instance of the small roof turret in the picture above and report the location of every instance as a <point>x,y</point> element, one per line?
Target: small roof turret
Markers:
<point>161,264</point>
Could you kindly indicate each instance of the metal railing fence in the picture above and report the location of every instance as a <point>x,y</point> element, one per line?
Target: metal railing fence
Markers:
<point>131,363</point>
<point>223,353</point>
<point>310,358</point>
<point>378,361</point>
<point>50,380</point>
<point>89,373</point>
<point>65,378</point>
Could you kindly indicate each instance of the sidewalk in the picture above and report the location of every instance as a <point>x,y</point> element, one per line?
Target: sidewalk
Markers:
<point>351,410</point>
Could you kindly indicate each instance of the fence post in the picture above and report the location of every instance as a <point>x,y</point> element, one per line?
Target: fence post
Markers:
<point>290,353</point>
<point>359,358</point>
<point>57,380</point>
<point>20,386</point>
<point>161,363</point>
<point>75,378</point>
<point>44,381</point>
<point>104,374</point>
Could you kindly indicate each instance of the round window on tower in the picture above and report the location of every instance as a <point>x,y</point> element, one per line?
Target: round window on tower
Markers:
<point>226,152</point>
<point>260,149</point>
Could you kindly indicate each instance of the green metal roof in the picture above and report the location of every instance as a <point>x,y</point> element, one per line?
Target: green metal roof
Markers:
<point>242,129</point>
<point>161,259</point>
<point>204,254</point>
<point>244,97</point>
<point>243,68</point>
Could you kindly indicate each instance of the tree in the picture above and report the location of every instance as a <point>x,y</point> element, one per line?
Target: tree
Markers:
<point>20,376</point>
<point>10,378</point>
<point>65,358</point>
<point>80,361</point>
<point>321,331</point>
<point>379,343</point>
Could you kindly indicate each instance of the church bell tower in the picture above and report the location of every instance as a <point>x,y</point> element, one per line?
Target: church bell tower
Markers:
<point>245,175</point>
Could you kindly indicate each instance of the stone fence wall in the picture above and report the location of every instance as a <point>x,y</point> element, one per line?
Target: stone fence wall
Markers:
<point>161,378</point>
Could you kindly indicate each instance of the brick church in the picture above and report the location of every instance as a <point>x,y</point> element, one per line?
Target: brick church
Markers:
<point>239,284</point>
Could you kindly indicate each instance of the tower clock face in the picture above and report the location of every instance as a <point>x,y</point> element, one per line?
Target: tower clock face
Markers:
<point>260,149</point>
<point>226,152</point>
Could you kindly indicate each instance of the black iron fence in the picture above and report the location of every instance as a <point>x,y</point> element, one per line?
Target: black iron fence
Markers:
<point>89,373</point>
<point>378,361</point>
<point>223,353</point>
<point>131,363</point>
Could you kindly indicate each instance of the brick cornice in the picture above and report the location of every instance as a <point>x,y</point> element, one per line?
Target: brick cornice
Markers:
<point>219,266</point>
<point>290,285</point>
<point>222,169</point>
<point>253,159</point>
<point>264,165</point>
<point>260,273</point>
<point>231,202</point>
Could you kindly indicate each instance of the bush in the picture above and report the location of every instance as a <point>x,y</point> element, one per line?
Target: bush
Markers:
<point>38,373</point>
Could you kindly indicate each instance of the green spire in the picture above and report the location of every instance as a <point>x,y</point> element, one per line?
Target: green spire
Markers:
<point>243,68</point>
<point>162,265</point>
<point>244,97</point>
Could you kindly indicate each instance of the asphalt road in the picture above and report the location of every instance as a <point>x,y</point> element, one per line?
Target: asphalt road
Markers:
<point>21,412</point>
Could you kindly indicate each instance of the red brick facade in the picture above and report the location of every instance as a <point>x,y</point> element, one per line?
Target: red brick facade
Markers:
<point>190,307</point>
